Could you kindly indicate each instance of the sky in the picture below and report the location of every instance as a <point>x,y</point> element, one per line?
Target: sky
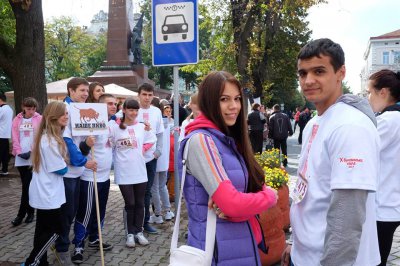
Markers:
<point>348,22</point>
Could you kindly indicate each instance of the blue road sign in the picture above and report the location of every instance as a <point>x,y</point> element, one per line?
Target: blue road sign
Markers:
<point>175,32</point>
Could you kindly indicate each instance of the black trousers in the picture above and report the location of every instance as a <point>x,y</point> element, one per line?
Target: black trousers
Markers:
<point>46,232</point>
<point>4,154</point>
<point>26,177</point>
<point>385,238</point>
<point>282,145</point>
<point>256,139</point>
<point>134,206</point>
<point>300,139</point>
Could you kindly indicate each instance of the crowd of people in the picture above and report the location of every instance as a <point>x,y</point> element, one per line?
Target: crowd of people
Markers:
<point>346,201</point>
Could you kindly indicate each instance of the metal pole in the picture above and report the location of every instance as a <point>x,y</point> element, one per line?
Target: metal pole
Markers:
<point>176,135</point>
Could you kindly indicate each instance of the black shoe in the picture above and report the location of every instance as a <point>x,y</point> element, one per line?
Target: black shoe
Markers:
<point>17,221</point>
<point>29,218</point>
<point>77,258</point>
<point>96,244</point>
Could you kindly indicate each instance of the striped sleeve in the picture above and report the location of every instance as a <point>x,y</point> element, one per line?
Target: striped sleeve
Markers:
<point>204,162</point>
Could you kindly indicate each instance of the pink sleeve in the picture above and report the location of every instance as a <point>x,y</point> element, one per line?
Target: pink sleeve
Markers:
<point>16,148</point>
<point>241,206</point>
<point>147,146</point>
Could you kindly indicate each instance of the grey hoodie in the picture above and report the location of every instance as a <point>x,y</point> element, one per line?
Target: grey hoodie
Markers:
<point>360,104</point>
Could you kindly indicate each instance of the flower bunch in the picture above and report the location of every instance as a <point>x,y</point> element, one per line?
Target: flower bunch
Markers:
<point>269,158</point>
<point>275,175</point>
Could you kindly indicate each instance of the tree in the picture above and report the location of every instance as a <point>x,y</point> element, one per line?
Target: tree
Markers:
<point>346,88</point>
<point>268,35</point>
<point>23,62</point>
<point>70,51</point>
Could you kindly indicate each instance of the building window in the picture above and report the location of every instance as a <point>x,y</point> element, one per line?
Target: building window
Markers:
<point>396,57</point>
<point>385,58</point>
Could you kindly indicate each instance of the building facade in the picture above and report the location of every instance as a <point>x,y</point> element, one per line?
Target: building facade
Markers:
<point>383,52</point>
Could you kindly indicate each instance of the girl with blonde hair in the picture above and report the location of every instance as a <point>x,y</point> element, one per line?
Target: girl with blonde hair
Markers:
<point>46,191</point>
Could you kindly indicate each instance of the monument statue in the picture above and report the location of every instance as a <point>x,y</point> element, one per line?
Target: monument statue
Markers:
<point>136,41</point>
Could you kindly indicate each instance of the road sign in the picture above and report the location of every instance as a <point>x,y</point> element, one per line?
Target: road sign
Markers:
<point>175,32</point>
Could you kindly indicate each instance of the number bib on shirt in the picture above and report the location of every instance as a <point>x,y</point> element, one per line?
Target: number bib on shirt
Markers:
<point>26,128</point>
<point>124,144</point>
<point>299,190</point>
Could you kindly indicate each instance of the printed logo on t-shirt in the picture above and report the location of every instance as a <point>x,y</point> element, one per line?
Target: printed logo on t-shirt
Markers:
<point>146,117</point>
<point>350,162</point>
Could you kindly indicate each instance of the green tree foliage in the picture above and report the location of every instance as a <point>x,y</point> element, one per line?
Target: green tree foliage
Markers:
<point>7,31</point>
<point>71,51</point>
<point>346,88</point>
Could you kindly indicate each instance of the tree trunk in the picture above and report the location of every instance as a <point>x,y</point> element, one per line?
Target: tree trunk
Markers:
<point>25,62</point>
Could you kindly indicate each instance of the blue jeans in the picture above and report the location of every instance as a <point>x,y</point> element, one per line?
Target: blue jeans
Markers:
<point>68,212</point>
<point>151,172</point>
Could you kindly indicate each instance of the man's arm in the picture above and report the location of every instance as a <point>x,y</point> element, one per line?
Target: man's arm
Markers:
<point>345,219</point>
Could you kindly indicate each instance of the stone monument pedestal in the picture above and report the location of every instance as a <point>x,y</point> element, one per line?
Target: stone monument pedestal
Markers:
<point>117,68</point>
<point>128,77</point>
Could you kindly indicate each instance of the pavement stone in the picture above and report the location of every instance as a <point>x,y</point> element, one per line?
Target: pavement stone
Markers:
<point>16,242</point>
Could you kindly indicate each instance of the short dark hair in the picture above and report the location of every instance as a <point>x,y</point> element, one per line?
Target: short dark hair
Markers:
<point>30,102</point>
<point>130,103</point>
<point>326,47</point>
<point>276,107</point>
<point>75,82</point>
<point>255,106</point>
<point>386,78</point>
<point>3,97</point>
<point>146,87</point>
<point>104,96</point>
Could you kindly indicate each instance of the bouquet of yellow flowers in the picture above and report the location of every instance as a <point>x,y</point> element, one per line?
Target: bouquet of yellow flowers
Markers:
<point>270,161</point>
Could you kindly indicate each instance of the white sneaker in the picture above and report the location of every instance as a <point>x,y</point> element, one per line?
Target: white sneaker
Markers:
<point>130,241</point>
<point>169,216</point>
<point>156,219</point>
<point>141,239</point>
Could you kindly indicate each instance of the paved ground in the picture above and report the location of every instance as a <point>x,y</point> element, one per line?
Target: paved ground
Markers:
<point>16,242</point>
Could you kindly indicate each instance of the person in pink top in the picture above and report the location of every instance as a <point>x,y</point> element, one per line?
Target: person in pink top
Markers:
<point>24,126</point>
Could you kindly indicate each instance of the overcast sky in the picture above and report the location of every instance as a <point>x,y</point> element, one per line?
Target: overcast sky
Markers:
<point>348,22</point>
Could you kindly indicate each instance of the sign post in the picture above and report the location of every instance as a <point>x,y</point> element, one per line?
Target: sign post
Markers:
<point>175,42</point>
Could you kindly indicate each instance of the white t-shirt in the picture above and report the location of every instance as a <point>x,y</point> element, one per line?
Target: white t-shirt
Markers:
<point>129,162</point>
<point>343,155</point>
<point>6,116</point>
<point>103,157</point>
<point>25,141</point>
<point>154,117</point>
<point>46,190</point>
<point>163,160</point>
<point>388,193</point>
<point>73,171</point>
<point>183,128</point>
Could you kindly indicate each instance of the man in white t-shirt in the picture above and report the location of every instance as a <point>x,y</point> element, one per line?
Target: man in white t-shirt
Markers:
<point>6,115</point>
<point>86,218</point>
<point>333,210</point>
<point>78,147</point>
<point>151,114</point>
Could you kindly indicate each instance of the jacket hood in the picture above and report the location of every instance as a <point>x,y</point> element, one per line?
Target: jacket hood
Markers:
<point>21,115</point>
<point>394,107</point>
<point>200,122</point>
<point>68,100</point>
<point>360,104</point>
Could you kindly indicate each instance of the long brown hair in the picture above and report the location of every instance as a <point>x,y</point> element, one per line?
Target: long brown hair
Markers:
<point>210,91</point>
<point>92,86</point>
<point>49,126</point>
